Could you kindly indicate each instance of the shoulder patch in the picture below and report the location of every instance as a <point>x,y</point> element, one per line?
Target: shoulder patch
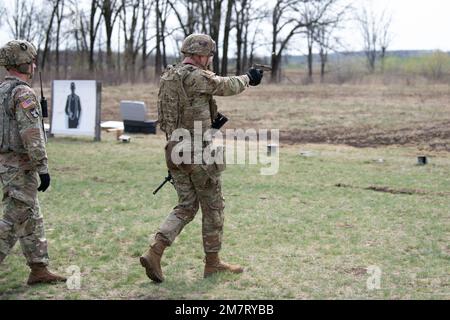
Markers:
<point>27,100</point>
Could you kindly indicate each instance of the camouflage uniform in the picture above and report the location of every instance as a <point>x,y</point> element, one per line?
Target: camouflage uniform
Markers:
<point>199,185</point>
<point>185,97</point>
<point>22,158</point>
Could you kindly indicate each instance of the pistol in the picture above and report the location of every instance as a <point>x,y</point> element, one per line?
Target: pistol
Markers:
<point>262,67</point>
<point>219,121</point>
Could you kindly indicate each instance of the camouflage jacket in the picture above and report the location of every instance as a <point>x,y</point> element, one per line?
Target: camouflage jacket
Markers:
<point>201,85</point>
<point>22,132</point>
<point>195,89</point>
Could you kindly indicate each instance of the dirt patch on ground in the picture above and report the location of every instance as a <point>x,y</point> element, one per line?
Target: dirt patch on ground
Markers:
<point>395,191</point>
<point>354,115</point>
<point>434,136</point>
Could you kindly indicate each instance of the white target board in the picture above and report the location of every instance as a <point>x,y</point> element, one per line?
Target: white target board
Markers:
<point>76,108</point>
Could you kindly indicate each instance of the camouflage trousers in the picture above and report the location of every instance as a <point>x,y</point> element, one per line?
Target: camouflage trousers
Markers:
<point>199,188</point>
<point>22,219</point>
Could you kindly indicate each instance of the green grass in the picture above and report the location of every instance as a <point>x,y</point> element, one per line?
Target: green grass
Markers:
<point>297,235</point>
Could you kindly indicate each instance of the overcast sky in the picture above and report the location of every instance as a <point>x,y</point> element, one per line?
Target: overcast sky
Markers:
<point>416,24</point>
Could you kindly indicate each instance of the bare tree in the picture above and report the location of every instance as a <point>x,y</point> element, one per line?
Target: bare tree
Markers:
<point>368,27</point>
<point>186,12</point>
<point>162,15</point>
<point>22,20</point>
<point>309,13</point>
<point>79,28</point>
<point>226,37</point>
<point>2,12</point>
<point>158,55</point>
<point>210,13</point>
<point>204,11</point>
<point>326,42</point>
<point>253,16</point>
<point>317,16</point>
<point>59,19</point>
<point>310,33</point>
<point>321,17</point>
<point>241,18</point>
<point>385,35</point>
<point>375,30</point>
<point>110,11</point>
<point>215,28</point>
<point>48,34</point>
<point>203,17</point>
<point>86,28</point>
<point>288,19</point>
<point>254,44</point>
<point>247,15</point>
<point>129,17</point>
<point>146,11</point>
<point>95,19</point>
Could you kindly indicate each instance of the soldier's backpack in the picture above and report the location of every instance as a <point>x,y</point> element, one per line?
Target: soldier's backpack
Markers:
<point>6,116</point>
<point>172,98</point>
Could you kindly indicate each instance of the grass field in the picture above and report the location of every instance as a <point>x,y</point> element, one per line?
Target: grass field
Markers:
<point>310,232</point>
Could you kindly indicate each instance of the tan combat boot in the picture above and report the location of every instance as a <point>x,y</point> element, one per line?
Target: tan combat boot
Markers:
<point>151,261</point>
<point>214,265</point>
<point>40,274</point>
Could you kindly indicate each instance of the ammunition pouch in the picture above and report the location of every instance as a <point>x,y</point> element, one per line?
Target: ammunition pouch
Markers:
<point>186,168</point>
<point>216,167</point>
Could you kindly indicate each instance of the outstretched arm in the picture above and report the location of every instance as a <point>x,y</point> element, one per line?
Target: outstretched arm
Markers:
<point>207,82</point>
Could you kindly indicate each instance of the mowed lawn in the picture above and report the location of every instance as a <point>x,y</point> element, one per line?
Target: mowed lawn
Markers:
<point>297,234</point>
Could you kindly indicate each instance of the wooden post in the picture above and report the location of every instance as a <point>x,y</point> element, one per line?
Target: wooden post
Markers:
<point>50,133</point>
<point>98,113</point>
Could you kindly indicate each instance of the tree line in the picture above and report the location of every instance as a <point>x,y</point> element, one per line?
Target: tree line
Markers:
<point>75,38</point>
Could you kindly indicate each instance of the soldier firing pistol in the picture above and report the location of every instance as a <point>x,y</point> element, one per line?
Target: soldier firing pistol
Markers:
<point>185,98</point>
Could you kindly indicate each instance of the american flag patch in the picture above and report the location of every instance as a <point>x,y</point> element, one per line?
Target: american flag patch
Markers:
<point>26,101</point>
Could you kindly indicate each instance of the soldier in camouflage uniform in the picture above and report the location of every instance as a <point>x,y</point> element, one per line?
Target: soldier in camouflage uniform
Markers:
<point>186,96</point>
<point>23,159</point>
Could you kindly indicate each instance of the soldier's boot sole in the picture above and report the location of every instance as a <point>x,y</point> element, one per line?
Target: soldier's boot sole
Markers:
<point>151,269</point>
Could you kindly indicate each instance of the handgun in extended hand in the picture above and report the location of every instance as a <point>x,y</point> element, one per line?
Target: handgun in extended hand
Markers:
<point>262,67</point>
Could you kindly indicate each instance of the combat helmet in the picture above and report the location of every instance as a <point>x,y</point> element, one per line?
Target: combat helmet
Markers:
<point>17,53</point>
<point>199,44</point>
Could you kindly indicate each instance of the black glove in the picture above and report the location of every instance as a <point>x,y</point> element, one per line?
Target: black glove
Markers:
<point>255,76</point>
<point>45,182</point>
